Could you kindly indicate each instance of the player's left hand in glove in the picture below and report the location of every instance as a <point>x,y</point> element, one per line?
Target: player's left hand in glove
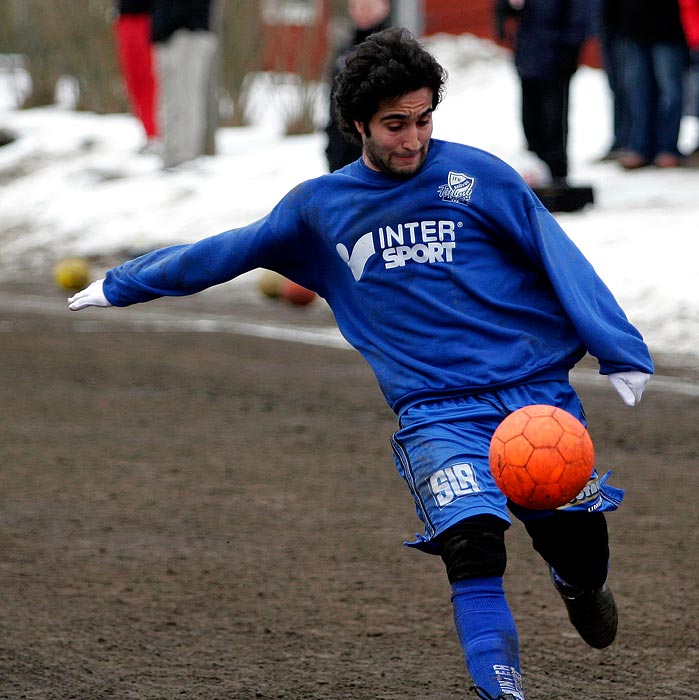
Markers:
<point>92,295</point>
<point>630,385</point>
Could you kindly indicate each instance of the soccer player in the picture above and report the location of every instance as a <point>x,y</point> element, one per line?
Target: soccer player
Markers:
<point>468,301</point>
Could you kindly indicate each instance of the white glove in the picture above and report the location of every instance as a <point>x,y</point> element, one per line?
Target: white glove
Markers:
<point>630,385</point>
<point>92,295</point>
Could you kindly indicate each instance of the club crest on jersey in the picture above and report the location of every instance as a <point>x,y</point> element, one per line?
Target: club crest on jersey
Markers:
<point>459,188</point>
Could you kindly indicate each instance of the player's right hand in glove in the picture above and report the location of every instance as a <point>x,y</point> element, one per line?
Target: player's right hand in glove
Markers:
<point>92,295</point>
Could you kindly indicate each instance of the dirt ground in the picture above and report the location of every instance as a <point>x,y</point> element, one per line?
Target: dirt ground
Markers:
<point>209,515</point>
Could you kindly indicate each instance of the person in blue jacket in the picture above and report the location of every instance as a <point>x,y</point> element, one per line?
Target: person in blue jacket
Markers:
<point>468,301</point>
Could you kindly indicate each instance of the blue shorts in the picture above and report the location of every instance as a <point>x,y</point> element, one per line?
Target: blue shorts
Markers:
<point>441,451</point>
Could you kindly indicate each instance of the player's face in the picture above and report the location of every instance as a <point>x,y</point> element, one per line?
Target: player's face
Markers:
<point>397,138</point>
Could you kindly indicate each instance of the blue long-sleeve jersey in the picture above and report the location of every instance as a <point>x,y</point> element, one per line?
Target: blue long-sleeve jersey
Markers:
<point>453,281</point>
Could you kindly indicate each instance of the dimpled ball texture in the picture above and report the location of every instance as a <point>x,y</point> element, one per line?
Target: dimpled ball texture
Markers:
<point>541,457</point>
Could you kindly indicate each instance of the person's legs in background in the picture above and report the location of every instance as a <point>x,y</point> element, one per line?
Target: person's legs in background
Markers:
<point>545,123</point>
<point>201,51</point>
<point>641,90</point>
<point>669,65</point>
<point>184,62</point>
<point>135,54</point>
<point>531,125</point>
<point>692,102</point>
<point>613,59</point>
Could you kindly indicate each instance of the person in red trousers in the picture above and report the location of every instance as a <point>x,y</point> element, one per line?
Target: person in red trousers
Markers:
<point>134,48</point>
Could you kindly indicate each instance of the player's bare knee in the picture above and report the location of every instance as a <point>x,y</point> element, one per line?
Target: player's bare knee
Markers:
<point>474,548</point>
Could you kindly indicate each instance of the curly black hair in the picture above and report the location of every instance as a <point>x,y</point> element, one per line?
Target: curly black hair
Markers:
<point>384,67</point>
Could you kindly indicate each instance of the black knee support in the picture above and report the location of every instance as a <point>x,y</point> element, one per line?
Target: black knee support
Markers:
<point>474,548</point>
<point>576,545</point>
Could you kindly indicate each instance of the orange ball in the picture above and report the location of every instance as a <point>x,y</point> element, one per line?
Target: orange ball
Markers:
<point>295,294</point>
<point>541,457</point>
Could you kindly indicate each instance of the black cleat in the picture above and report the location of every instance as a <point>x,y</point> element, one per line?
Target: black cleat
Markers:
<point>593,613</point>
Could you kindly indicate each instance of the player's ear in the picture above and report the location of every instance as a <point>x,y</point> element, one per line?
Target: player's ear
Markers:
<point>360,128</point>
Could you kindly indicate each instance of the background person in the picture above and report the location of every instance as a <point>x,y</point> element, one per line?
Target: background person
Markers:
<point>468,301</point>
<point>655,54</point>
<point>135,52</point>
<point>547,39</point>
<point>186,48</point>
<point>368,17</point>
<point>612,47</point>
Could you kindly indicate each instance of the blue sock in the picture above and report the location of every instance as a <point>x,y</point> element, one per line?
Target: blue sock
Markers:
<point>488,635</point>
